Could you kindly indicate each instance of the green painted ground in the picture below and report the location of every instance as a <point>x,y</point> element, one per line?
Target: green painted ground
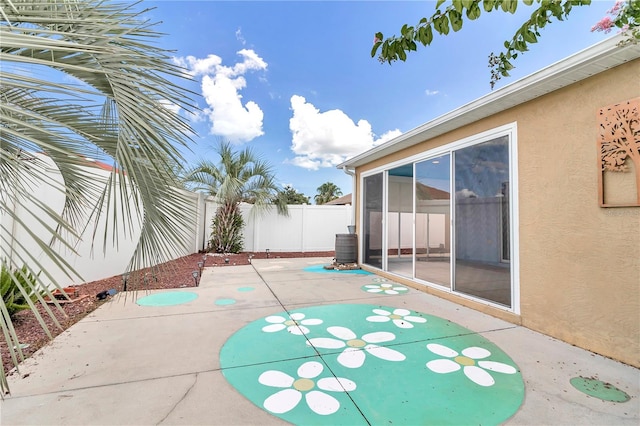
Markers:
<point>335,364</point>
<point>224,302</point>
<point>170,298</point>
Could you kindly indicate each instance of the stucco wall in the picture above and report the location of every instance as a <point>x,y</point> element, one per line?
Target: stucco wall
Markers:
<point>579,263</point>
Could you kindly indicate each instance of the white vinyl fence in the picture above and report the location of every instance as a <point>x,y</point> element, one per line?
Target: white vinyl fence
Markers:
<point>307,228</point>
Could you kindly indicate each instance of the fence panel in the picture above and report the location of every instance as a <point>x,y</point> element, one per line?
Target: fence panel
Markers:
<point>306,228</point>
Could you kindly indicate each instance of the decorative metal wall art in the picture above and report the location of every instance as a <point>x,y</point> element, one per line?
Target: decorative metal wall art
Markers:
<point>619,154</point>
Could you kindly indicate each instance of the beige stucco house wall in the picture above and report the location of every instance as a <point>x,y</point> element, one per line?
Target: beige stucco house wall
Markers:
<point>579,263</point>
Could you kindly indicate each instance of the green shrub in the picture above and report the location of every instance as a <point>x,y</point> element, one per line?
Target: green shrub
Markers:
<point>14,299</point>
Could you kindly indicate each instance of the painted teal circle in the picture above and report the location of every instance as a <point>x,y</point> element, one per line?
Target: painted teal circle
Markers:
<point>224,302</point>
<point>599,389</point>
<point>246,289</point>
<point>321,270</point>
<point>382,358</point>
<point>170,298</point>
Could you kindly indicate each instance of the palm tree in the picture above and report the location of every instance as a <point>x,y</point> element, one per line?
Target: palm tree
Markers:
<point>238,177</point>
<point>326,192</point>
<point>83,79</point>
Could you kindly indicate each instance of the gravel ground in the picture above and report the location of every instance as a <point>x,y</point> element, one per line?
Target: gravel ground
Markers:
<point>173,274</point>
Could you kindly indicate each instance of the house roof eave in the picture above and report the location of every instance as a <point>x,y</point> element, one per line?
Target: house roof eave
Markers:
<point>579,66</point>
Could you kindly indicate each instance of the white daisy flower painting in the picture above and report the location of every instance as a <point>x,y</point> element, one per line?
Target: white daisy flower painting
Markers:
<point>386,288</point>
<point>471,361</point>
<point>307,385</point>
<point>356,348</point>
<point>294,324</point>
<point>401,318</point>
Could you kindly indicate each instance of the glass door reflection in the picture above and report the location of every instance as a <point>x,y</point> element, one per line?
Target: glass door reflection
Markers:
<point>433,220</point>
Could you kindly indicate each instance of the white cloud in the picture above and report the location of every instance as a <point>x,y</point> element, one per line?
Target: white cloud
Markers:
<point>240,37</point>
<point>326,139</point>
<point>466,193</point>
<point>221,86</point>
<point>431,92</point>
<point>171,106</point>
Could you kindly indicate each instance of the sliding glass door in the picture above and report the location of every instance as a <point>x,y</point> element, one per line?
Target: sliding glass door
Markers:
<point>481,176</point>
<point>400,220</point>
<point>372,220</point>
<point>446,219</point>
<point>433,220</point>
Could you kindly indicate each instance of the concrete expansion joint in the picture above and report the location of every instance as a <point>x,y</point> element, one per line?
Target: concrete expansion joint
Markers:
<point>106,385</point>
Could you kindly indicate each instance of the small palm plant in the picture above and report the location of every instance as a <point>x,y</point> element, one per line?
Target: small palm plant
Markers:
<point>238,177</point>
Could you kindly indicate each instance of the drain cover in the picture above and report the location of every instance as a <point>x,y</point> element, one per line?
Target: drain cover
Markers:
<point>599,389</point>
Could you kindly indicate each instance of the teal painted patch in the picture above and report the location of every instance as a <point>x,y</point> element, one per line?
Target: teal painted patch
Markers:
<point>599,389</point>
<point>335,364</point>
<point>169,298</point>
<point>383,286</point>
<point>321,270</point>
<point>246,289</point>
<point>224,302</point>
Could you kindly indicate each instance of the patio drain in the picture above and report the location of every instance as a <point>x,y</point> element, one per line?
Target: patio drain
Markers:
<point>599,389</point>
<point>336,364</point>
<point>170,298</point>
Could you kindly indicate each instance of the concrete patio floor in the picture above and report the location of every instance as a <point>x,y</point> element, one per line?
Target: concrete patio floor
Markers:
<point>142,365</point>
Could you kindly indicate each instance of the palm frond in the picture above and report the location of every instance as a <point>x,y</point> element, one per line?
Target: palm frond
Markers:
<point>111,105</point>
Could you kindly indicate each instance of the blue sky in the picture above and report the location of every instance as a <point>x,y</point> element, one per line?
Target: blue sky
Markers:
<point>295,81</point>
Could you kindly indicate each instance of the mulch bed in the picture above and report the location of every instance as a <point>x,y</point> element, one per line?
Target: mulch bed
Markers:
<point>174,274</point>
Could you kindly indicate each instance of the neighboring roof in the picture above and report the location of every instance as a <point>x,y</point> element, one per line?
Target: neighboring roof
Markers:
<point>345,199</point>
<point>579,66</point>
<point>430,193</point>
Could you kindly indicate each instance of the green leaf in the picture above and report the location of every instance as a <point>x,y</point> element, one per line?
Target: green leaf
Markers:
<point>374,49</point>
<point>520,46</point>
<point>437,24</point>
<point>529,36</point>
<point>445,24</point>
<point>439,3</point>
<point>428,34</point>
<point>488,5</point>
<point>474,12</point>
<point>403,30</point>
<point>513,5</point>
<point>507,65</point>
<point>456,20</point>
<point>527,2</point>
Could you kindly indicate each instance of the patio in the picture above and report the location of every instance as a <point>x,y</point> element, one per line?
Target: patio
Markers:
<point>281,341</point>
